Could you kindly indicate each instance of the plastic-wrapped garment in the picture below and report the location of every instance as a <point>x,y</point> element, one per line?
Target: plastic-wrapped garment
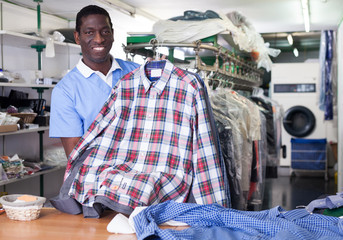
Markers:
<point>273,113</point>
<point>186,31</point>
<point>247,121</point>
<point>263,153</point>
<point>278,117</point>
<point>237,110</point>
<point>256,193</point>
<point>231,113</point>
<point>246,37</point>
<point>268,113</point>
<point>255,172</point>
<point>227,146</point>
<point>254,121</point>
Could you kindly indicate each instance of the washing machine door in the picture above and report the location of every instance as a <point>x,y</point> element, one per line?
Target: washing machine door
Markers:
<point>299,121</point>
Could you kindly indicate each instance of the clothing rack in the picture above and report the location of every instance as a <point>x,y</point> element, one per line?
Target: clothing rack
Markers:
<point>239,122</point>
<point>227,67</point>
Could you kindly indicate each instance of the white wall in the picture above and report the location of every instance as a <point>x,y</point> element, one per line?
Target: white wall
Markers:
<point>24,20</point>
<point>19,57</point>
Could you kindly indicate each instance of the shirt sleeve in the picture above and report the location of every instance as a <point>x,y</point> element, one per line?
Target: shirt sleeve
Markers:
<point>64,119</point>
<point>208,185</point>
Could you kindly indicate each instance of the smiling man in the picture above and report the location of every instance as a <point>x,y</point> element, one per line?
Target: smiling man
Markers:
<point>79,96</point>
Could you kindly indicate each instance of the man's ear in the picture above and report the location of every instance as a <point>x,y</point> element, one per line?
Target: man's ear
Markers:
<point>77,37</point>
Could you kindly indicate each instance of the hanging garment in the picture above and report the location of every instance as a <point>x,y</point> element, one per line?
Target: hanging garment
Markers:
<point>273,127</point>
<point>215,222</point>
<point>328,79</point>
<point>240,114</point>
<point>227,147</point>
<point>217,140</point>
<point>150,143</point>
<point>256,192</point>
<point>322,60</point>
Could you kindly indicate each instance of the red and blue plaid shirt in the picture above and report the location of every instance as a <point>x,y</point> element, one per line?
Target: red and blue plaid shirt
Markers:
<point>151,142</point>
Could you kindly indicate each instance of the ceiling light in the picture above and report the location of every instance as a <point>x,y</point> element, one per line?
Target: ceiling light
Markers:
<point>163,50</point>
<point>290,39</point>
<point>306,14</point>
<point>179,54</point>
<point>128,9</point>
<point>296,52</point>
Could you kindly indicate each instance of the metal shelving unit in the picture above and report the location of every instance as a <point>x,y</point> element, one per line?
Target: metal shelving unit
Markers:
<point>23,131</point>
<point>25,41</point>
<point>39,173</point>
<point>224,67</point>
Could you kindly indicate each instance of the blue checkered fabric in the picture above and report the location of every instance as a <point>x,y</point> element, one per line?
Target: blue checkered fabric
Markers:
<point>216,222</point>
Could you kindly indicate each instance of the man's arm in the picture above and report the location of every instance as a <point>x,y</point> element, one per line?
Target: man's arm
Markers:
<point>69,144</point>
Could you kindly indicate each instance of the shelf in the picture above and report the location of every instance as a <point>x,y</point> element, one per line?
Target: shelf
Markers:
<point>22,46</point>
<point>13,180</point>
<point>24,40</point>
<point>218,62</point>
<point>22,131</point>
<point>28,85</point>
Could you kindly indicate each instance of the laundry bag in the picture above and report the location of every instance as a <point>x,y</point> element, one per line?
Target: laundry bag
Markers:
<point>308,154</point>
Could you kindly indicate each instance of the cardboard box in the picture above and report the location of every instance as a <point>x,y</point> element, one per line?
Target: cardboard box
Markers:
<point>8,128</point>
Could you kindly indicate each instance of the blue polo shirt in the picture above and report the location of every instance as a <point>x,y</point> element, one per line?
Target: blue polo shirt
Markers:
<point>79,96</point>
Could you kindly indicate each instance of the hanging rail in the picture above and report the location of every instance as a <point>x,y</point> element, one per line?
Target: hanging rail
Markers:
<point>245,75</point>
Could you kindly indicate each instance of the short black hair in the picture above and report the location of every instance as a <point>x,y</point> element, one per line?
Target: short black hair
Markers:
<point>90,10</point>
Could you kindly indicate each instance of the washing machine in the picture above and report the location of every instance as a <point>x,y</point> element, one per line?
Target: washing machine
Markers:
<point>295,86</point>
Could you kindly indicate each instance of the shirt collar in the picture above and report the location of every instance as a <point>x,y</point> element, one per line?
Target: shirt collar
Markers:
<point>290,215</point>
<point>87,71</point>
<point>160,84</point>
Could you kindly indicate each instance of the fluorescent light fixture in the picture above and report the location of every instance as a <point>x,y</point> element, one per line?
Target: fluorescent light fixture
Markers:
<point>306,14</point>
<point>163,50</point>
<point>296,52</point>
<point>290,39</point>
<point>128,9</point>
<point>179,54</point>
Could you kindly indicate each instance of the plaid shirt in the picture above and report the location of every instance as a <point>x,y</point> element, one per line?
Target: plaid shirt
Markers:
<point>151,142</point>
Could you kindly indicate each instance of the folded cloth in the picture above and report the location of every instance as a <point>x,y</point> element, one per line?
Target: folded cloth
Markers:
<point>330,202</point>
<point>213,221</point>
<point>123,225</point>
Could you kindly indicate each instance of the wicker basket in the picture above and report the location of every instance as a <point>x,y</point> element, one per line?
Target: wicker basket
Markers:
<point>22,211</point>
<point>25,117</point>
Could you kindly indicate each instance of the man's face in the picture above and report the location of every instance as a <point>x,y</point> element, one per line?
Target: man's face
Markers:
<point>95,39</point>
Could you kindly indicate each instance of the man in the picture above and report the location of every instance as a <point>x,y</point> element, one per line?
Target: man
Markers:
<point>79,96</point>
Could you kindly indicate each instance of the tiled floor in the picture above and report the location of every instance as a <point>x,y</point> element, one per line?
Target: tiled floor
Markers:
<point>290,192</point>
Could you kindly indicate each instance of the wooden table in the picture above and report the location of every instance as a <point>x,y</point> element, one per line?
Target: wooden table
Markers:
<point>53,225</point>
